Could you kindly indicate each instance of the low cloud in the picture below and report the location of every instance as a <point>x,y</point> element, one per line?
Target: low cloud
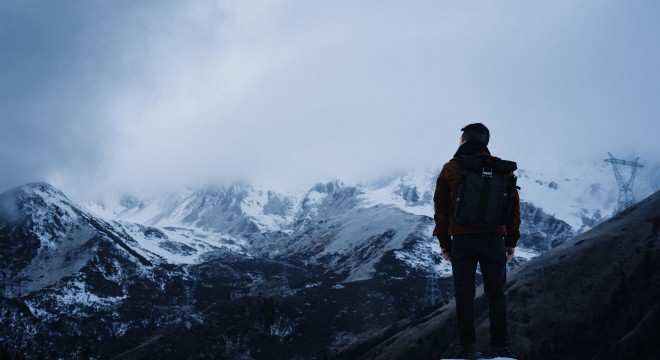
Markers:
<point>169,94</point>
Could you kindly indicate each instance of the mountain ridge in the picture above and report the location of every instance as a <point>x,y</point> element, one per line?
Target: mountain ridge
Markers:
<point>411,192</point>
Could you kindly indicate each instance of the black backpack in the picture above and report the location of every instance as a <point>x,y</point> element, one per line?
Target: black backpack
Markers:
<point>484,194</point>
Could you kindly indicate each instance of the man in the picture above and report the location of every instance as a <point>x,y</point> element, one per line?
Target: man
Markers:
<point>465,246</point>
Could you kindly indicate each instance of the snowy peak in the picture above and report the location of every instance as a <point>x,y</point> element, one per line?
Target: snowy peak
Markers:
<point>46,209</point>
<point>582,200</point>
<point>41,189</point>
<point>214,208</point>
<point>44,239</point>
<point>412,192</point>
<point>234,210</point>
<point>21,200</point>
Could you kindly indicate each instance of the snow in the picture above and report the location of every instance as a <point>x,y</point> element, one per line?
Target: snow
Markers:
<point>99,208</point>
<point>36,311</point>
<point>45,229</point>
<point>422,256</point>
<point>587,193</point>
<point>357,246</point>
<point>584,197</point>
<point>423,181</point>
<point>191,242</point>
<point>149,210</point>
<point>184,242</point>
<point>76,293</point>
<point>581,199</point>
<point>253,206</point>
<point>163,211</point>
<point>525,253</point>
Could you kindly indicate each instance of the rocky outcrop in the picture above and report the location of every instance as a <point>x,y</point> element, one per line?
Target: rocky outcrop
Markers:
<point>540,231</point>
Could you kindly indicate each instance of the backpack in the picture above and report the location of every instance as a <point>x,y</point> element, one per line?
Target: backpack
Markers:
<point>484,193</point>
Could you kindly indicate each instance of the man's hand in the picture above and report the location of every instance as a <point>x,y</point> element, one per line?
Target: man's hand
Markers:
<point>445,254</point>
<point>509,253</point>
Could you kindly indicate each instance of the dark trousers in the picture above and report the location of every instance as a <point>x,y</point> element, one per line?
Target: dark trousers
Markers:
<point>489,252</point>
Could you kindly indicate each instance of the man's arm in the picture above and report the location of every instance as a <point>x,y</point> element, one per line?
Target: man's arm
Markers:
<point>513,225</point>
<point>442,207</point>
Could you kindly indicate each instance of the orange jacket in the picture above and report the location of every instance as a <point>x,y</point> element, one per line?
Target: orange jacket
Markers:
<point>444,200</point>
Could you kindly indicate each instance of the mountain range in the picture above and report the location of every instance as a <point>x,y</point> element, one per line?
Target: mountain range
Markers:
<point>239,271</point>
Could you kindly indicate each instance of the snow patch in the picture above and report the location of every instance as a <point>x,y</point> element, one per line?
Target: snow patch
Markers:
<point>76,293</point>
<point>181,245</point>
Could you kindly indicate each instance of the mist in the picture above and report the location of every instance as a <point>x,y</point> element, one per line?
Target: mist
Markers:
<point>163,94</point>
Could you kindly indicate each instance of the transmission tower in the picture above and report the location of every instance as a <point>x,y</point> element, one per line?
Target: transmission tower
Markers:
<point>432,294</point>
<point>187,308</point>
<point>4,276</point>
<point>626,196</point>
<point>285,278</point>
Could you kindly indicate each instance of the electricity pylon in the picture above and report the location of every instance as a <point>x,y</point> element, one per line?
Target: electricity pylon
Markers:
<point>626,196</point>
<point>285,279</point>
<point>432,294</point>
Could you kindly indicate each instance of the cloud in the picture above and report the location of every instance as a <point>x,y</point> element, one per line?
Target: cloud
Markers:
<point>167,94</point>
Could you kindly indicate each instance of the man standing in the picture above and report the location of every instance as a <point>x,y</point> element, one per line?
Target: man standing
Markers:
<point>466,245</point>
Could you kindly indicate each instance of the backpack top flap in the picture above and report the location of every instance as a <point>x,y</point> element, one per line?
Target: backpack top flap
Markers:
<point>476,162</point>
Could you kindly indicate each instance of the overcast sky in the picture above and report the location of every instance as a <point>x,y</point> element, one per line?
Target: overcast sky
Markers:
<point>98,95</point>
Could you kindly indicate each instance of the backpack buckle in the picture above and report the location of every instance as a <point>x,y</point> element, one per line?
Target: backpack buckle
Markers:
<point>487,172</point>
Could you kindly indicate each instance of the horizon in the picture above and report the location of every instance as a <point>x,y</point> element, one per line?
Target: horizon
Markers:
<point>592,188</point>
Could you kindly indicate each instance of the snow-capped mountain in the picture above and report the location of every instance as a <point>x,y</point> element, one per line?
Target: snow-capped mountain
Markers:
<point>323,226</point>
<point>69,275</point>
<point>289,224</point>
<point>64,269</point>
<point>262,268</point>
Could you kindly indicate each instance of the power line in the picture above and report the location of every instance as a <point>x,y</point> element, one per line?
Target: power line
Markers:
<point>626,196</point>
<point>285,278</point>
<point>432,294</point>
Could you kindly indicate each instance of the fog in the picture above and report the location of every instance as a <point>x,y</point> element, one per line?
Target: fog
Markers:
<point>100,96</point>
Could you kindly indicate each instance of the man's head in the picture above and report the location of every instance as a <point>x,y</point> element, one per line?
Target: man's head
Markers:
<point>476,133</point>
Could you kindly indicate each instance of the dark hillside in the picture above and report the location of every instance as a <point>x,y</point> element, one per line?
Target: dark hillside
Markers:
<point>596,296</point>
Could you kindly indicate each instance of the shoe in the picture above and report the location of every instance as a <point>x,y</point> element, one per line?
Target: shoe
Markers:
<point>502,351</point>
<point>467,351</point>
